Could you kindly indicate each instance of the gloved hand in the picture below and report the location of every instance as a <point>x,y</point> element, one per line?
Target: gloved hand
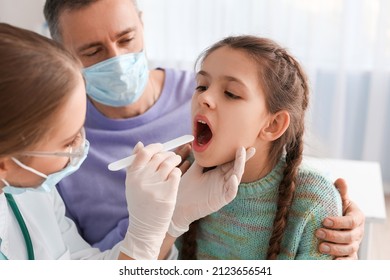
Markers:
<point>201,194</point>
<point>151,189</point>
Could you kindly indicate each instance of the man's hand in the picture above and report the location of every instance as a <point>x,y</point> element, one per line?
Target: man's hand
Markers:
<point>184,152</point>
<point>342,235</point>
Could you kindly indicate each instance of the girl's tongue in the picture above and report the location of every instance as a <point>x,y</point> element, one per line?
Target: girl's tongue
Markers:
<point>203,132</point>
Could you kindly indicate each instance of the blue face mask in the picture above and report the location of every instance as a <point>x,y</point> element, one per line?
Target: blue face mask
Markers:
<point>118,81</point>
<point>50,180</point>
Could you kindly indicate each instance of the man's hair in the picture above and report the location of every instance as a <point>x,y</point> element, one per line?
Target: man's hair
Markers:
<point>54,8</point>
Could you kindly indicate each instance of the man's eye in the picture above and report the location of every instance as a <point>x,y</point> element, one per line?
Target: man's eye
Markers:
<point>91,53</point>
<point>126,41</point>
<point>231,95</point>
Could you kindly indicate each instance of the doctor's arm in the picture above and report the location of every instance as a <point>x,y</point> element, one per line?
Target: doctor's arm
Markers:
<point>341,236</point>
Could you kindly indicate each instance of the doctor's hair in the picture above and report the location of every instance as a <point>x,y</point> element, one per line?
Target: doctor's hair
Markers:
<point>285,86</point>
<point>54,8</point>
<point>36,77</point>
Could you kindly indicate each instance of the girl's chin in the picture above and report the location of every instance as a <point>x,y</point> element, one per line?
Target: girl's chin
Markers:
<point>205,161</point>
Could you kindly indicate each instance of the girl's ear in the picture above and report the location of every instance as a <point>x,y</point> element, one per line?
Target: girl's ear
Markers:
<point>277,125</point>
<point>4,165</point>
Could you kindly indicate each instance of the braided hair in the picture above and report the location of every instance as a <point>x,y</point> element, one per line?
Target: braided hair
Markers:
<point>286,88</point>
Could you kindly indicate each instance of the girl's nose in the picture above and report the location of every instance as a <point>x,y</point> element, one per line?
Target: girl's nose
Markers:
<point>207,99</point>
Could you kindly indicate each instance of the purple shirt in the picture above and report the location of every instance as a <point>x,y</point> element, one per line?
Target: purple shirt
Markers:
<point>94,196</point>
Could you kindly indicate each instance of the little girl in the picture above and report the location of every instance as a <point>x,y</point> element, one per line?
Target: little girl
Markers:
<point>252,93</point>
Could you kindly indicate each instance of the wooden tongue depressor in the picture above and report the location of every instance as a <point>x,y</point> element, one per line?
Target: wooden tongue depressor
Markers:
<point>172,144</point>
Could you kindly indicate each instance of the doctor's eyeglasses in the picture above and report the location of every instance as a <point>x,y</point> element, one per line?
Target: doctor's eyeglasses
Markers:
<point>75,150</point>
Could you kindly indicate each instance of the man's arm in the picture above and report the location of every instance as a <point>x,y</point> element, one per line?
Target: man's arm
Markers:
<point>184,152</point>
<point>166,246</point>
<point>341,236</point>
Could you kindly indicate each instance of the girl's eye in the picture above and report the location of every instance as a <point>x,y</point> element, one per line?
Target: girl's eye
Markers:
<point>231,95</point>
<point>201,88</point>
<point>76,142</point>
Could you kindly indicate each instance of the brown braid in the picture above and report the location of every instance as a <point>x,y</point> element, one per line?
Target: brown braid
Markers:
<point>294,151</point>
<point>286,88</point>
<point>286,194</point>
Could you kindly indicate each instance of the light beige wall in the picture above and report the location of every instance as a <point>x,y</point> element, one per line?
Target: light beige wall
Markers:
<point>24,13</point>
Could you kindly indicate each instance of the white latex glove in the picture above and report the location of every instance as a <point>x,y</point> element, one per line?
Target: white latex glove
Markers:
<point>151,189</point>
<point>201,194</point>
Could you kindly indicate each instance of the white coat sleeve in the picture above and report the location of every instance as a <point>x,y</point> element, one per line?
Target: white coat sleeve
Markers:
<point>77,247</point>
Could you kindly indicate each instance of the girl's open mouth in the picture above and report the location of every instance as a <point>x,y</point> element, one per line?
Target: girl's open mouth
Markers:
<point>203,134</point>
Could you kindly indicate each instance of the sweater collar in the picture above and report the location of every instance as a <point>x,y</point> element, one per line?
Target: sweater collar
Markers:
<point>270,182</point>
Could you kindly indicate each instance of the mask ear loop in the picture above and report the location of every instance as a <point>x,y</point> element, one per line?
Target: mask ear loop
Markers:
<point>5,182</point>
<point>29,168</point>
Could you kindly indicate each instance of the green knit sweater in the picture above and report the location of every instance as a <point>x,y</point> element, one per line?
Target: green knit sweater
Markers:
<point>242,229</point>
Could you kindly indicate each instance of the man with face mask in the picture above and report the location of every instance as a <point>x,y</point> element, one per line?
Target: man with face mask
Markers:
<point>118,81</point>
<point>127,103</point>
<point>130,103</point>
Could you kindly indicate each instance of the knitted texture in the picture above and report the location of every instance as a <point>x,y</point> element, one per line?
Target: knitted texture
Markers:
<point>242,229</point>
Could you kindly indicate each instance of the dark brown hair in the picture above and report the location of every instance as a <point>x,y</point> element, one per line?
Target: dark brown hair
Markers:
<point>36,77</point>
<point>286,88</point>
<point>54,8</point>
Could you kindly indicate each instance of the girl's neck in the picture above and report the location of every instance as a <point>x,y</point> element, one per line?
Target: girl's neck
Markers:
<point>257,167</point>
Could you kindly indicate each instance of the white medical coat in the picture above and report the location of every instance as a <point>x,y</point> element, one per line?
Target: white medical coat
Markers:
<point>53,235</point>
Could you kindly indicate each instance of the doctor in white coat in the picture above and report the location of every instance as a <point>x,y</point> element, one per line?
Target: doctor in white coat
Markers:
<point>42,140</point>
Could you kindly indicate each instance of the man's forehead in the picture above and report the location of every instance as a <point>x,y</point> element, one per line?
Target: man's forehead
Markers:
<point>94,24</point>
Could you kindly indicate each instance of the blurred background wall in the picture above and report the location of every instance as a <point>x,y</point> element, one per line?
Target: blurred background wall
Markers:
<point>344,46</point>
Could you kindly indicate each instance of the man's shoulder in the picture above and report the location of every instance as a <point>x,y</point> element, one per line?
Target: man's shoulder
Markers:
<point>181,82</point>
<point>179,73</point>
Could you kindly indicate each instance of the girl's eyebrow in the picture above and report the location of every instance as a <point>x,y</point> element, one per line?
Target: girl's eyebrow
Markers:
<point>203,73</point>
<point>228,78</point>
<point>234,79</point>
